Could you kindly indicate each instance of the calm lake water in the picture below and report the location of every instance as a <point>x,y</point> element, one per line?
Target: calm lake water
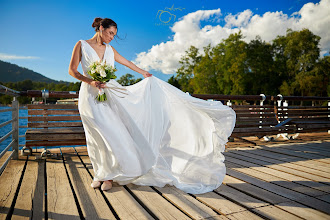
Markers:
<point>5,116</point>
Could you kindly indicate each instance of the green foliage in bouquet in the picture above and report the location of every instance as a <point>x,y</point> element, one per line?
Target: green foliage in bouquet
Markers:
<point>102,72</point>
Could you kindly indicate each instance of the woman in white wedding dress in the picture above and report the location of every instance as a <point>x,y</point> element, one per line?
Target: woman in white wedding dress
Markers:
<point>149,133</point>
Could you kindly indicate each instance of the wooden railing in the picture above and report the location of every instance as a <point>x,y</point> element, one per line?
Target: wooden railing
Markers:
<point>260,115</point>
<point>14,131</point>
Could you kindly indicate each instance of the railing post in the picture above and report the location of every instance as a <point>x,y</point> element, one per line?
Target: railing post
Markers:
<point>329,114</point>
<point>279,103</point>
<point>45,95</point>
<point>285,104</point>
<point>263,98</point>
<point>15,127</point>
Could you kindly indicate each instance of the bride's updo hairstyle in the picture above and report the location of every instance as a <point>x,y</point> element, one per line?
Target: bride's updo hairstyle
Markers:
<point>105,22</point>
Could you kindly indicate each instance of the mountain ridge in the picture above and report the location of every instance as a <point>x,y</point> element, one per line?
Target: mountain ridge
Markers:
<point>13,73</point>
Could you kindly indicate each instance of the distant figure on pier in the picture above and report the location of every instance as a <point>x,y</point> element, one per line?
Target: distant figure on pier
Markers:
<point>154,134</point>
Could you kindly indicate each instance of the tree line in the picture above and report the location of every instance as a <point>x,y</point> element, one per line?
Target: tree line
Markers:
<point>289,65</point>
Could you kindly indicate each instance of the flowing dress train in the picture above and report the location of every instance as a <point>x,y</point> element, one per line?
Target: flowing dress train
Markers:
<point>155,134</point>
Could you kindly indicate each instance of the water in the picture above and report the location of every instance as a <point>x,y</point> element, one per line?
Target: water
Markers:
<point>5,116</point>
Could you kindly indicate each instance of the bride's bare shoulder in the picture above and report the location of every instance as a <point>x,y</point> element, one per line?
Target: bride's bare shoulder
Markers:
<point>77,49</point>
<point>78,44</point>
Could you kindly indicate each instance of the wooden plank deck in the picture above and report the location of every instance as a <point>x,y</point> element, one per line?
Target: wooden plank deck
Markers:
<point>278,181</point>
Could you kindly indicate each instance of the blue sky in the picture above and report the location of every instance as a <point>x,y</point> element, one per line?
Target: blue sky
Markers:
<point>40,35</point>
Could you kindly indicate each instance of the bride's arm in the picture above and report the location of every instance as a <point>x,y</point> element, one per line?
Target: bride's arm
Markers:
<point>120,59</point>
<point>74,63</point>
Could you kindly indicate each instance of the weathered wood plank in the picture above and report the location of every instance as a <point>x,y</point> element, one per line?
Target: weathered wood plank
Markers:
<point>303,211</point>
<point>306,148</point>
<point>289,159</point>
<point>38,204</point>
<point>304,186</point>
<point>52,106</point>
<point>26,195</point>
<point>162,208</point>
<point>187,203</point>
<point>255,191</point>
<point>247,133</point>
<point>284,192</point>
<point>54,136</point>
<point>56,143</point>
<point>8,184</point>
<point>121,200</point>
<point>91,201</point>
<point>309,148</point>
<point>243,215</point>
<point>61,203</point>
<point>272,212</point>
<point>53,112</point>
<point>297,154</point>
<point>5,157</point>
<point>241,198</point>
<point>219,203</point>
<point>293,166</point>
<point>319,145</point>
<point>78,130</point>
<point>277,173</point>
<point>54,118</point>
<point>54,124</point>
<point>288,193</point>
<point>252,203</point>
<point>325,198</point>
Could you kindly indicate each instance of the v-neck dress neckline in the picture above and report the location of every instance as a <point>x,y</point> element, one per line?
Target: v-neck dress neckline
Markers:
<point>106,47</point>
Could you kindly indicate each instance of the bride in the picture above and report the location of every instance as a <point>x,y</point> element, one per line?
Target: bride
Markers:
<point>149,133</point>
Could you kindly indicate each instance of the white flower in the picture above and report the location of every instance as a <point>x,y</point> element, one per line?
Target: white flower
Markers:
<point>98,69</point>
<point>102,73</point>
<point>101,92</point>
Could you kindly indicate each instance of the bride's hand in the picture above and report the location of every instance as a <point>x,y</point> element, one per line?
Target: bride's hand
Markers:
<point>146,74</point>
<point>97,84</point>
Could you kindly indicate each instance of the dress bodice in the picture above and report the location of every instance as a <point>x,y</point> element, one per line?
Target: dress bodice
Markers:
<point>89,55</point>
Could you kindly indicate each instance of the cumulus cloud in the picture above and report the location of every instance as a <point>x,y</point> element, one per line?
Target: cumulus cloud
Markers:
<point>4,56</point>
<point>164,57</point>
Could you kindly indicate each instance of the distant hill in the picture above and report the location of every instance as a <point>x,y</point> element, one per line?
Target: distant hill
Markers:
<point>12,73</point>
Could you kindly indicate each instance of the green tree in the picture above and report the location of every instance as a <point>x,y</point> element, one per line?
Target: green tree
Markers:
<point>174,82</point>
<point>262,76</point>
<point>128,79</point>
<point>205,80</point>
<point>321,77</point>
<point>300,51</point>
<point>186,72</point>
<point>230,58</point>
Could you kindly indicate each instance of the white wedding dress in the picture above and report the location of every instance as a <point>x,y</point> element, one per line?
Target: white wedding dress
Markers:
<point>155,134</point>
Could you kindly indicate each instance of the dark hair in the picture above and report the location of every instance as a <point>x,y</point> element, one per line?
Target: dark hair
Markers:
<point>105,22</point>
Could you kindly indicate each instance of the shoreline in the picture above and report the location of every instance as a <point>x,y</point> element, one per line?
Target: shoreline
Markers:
<point>9,105</point>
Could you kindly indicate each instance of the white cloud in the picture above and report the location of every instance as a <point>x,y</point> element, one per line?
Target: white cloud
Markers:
<point>164,57</point>
<point>239,20</point>
<point>4,56</point>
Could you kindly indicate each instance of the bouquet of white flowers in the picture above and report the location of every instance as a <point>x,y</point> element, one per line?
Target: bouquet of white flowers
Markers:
<point>101,72</point>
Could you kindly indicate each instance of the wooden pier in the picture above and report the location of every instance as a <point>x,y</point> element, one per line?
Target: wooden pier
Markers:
<point>279,181</point>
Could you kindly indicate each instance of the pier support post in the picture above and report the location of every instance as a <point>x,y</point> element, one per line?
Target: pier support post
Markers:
<point>15,127</point>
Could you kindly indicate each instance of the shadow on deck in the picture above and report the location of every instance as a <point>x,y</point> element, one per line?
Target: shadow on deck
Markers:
<point>282,181</point>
